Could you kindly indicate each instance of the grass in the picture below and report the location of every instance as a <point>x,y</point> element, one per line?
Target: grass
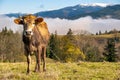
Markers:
<point>62,71</point>
<point>107,35</point>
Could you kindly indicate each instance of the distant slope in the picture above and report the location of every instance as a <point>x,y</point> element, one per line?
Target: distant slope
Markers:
<point>14,14</point>
<point>75,12</point>
<point>109,11</point>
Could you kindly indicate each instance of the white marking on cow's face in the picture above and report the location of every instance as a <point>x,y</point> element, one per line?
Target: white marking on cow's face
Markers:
<point>28,29</point>
<point>33,24</point>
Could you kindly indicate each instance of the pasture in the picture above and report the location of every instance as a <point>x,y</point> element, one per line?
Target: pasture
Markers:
<point>62,71</point>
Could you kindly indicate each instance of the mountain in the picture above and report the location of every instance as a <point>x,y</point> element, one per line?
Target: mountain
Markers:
<point>14,14</point>
<point>72,12</point>
<point>107,12</point>
<point>75,12</point>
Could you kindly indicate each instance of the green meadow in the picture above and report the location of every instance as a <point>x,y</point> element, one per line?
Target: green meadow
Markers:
<point>62,71</point>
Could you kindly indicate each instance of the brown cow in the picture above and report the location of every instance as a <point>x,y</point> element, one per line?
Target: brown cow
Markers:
<point>35,38</point>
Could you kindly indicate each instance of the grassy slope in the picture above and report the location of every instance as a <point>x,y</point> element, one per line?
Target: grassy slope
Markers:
<point>107,35</point>
<point>62,71</point>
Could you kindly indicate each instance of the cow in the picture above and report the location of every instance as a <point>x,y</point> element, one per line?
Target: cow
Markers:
<point>35,38</point>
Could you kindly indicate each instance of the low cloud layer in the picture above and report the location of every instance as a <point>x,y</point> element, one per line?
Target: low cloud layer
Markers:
<point>62,25</point>
<point>85,23</point>
<point>9,23</point>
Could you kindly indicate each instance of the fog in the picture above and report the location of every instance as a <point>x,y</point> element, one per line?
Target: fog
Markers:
<point>86,23</point>
<point>62,25</point>
<point>9,23</point>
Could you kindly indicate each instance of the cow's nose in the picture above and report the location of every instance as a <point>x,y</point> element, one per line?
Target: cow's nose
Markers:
<point>28,32</point>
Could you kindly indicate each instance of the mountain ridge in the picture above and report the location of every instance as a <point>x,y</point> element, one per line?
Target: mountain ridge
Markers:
<point>77,11</point>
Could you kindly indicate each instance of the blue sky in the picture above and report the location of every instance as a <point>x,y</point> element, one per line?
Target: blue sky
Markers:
<point>33,6</point>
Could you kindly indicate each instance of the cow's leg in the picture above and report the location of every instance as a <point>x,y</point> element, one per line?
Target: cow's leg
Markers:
<point>36,66</point>
<point>28,62</point>
<point>38,57</point>
<point>44,59</point>
<point>26,52</point>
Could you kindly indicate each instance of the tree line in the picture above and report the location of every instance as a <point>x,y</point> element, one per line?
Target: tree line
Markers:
<point>11,46</point>
<point>79,47</point>
<point>65,48</point>
<point>114,31</point>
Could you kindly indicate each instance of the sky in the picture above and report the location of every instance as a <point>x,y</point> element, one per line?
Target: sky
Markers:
<point>33,6</point>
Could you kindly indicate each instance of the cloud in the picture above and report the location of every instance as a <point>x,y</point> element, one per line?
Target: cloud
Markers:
<point>85,23</point>
<point>105,24</point>
<point>62,25</point>
<point>9,23</point>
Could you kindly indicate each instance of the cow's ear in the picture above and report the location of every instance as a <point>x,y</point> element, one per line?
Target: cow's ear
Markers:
<point>39,20</point>
<point>18,21</point>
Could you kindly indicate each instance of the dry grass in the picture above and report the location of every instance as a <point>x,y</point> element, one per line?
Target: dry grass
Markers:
<point>62,71</point>
<point>107,35</point>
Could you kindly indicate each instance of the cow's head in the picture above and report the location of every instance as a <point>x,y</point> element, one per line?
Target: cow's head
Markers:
<point>28,22</point>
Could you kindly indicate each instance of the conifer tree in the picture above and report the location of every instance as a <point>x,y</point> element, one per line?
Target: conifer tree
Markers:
<point>110,51</point>
<point>69,35</point>
<point>100,32</point>
<point>54,46</point>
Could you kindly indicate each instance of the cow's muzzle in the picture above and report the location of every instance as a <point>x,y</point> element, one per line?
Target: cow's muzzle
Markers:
<point>28,33</point>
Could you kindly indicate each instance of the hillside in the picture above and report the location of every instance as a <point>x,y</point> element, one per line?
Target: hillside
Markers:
<point>72,12</point>
<point>106,36</point>
<point>62,71</point>
<point>77,11</point>
<point>108,12</point>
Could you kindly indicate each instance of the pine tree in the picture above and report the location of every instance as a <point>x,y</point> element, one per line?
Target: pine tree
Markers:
<point>51,46</point>
<point>54,50</point>
<point>97,33</point>
<point>110,51</point>
<point>70,35</point>
<point>106,32</point>
<point>100,32</point>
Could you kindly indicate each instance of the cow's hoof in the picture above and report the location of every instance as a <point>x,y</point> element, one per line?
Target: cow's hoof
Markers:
<point>44,70</point>
<point>27,73</point>
<point>36,71</point>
